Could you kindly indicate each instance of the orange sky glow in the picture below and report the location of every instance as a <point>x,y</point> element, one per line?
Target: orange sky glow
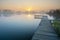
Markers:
<point>24,5</point>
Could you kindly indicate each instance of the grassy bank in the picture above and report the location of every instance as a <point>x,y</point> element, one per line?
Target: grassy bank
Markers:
<point>56,25</point>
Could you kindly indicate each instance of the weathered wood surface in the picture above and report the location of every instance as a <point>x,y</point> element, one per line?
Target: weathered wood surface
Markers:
<point>45,31</point>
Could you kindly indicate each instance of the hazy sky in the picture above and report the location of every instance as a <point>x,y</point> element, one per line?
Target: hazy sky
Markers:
<point>34,4</point>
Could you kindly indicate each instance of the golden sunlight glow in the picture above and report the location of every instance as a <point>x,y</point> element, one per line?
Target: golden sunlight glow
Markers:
<point>29,9</point>
<point>29,15</point>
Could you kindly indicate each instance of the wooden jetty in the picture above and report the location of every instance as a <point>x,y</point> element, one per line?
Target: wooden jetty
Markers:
<point>45,31</point>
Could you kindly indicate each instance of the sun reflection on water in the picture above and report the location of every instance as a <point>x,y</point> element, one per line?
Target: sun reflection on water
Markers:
<point>29,15</point>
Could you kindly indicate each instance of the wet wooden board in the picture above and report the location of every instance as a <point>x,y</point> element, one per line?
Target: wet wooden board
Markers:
<point>45,31</point>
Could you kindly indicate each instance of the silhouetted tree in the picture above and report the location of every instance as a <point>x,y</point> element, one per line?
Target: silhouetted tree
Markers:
<point>55,13</point>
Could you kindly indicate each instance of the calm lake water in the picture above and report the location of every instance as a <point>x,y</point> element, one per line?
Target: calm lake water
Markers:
<point>19,27</point>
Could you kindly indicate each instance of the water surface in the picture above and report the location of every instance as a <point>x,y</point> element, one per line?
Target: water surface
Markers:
<point>16,26</point>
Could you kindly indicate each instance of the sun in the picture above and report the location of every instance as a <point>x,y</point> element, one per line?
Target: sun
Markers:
<point>29,9</point>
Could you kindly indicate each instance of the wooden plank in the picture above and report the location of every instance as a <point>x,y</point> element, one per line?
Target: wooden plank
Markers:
<point>45,31</point>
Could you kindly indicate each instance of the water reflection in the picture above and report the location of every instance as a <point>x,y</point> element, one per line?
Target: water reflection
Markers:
<point>13,26</point>
<point>29,15</point>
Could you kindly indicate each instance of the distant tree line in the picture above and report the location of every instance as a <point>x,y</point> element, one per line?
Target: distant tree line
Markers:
<point>6,13</point>
<point>55,13</point>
